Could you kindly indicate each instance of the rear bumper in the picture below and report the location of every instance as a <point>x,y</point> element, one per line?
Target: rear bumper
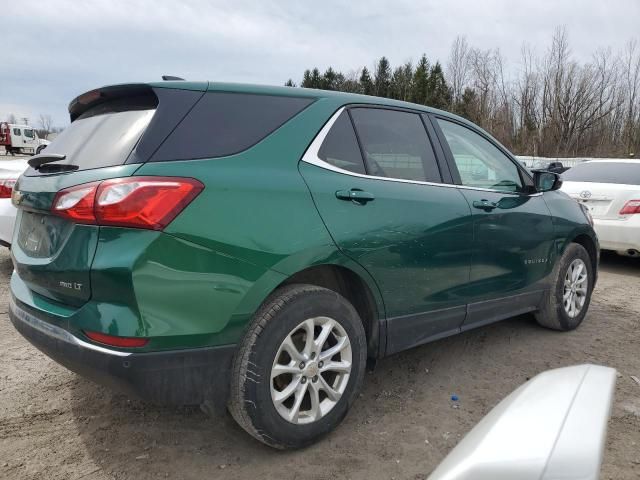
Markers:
<point>177,377</point>
<point>618,234</point>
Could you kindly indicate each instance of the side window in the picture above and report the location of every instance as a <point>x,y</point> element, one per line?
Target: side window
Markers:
<point>395,144</point>
<point>16,132</point>
<point>340,146</point>
<point>224,123</point>
<point>28,133</point>
<point>480,163</point>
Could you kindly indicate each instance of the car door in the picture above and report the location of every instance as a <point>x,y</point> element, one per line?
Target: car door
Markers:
<point>29,137</point>
<point>17,140</point>
<point>375,180</point>
<point>513,246</point>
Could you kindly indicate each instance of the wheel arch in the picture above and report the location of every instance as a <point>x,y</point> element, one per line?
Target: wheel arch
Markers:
<point>590,246</point>
<point>351,285</point>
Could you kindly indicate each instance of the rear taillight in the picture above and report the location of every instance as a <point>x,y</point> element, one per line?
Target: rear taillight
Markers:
<point>137,202</point>
<point>113,341</point>
<point>6,187</point>
<point>631,207</point>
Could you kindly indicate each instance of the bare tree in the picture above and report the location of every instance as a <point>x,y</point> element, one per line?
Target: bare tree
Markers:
<point>458,68</point>
<point>631,89</point>
<point>45,123</point>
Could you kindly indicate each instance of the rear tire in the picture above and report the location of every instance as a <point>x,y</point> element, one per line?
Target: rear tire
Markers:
<point>313,393</point>
<point>567,301</point>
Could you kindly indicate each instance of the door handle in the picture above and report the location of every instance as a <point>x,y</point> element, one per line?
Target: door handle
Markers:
<point>485,205</point>
<point>355,195</point>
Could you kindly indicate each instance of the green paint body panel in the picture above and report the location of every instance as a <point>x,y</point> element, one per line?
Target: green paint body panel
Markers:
<point>262,217</point>
<point>513,248</point>
<point>415,240</point>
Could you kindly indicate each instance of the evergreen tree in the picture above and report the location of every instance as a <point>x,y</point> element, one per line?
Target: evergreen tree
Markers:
<point>467,106</point>
<point>420,84</point>
<point>289,83</point>
<point>401,82</point>
<point>366,84</point>
<point>329,80</point>
<point>382,78</point>
<point>306,79</point>
<point>438,93</point>
<point>316,78</point>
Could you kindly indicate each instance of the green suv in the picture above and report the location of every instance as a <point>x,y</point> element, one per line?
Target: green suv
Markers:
<point>255,247</point>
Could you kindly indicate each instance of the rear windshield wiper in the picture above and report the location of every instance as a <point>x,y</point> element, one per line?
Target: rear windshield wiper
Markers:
<point>38,160</point>
<point>56,168</point>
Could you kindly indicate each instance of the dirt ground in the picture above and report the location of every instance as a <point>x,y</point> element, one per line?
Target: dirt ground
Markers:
<point>56,425</point>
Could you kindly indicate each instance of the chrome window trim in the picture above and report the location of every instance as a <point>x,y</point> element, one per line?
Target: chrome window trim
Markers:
<point>311,157</point>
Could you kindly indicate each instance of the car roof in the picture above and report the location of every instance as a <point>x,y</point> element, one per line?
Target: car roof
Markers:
<point>343,97</point>
<point>77,106</point>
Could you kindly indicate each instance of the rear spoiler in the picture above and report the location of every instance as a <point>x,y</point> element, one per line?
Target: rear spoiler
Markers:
<point>141,91</point>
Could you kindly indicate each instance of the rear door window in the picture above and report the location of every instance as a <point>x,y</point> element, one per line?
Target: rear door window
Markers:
<point>223,124</point>
<point>340,147</point>
<point>395,144</point>
<point>625,173</point>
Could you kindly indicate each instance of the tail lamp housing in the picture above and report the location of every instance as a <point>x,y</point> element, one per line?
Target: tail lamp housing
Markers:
<point>6,187</point>
<point>133,202</point>
<point>631,207</point>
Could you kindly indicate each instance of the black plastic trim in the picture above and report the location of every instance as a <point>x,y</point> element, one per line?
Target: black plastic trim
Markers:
<point>177,377</point>
<point>412,330</point>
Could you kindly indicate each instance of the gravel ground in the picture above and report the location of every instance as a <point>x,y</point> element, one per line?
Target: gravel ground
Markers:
<point>56,425</point>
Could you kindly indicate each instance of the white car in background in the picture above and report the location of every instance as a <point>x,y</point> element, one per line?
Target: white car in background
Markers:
<point>10,170</point>
<point>611,191</point>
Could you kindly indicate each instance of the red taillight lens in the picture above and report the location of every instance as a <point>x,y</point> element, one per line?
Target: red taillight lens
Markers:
<point>6,187</point>
<point>76,203</point>
<point>631,207</point>
<point>137,202</point>
<point>113,341</point>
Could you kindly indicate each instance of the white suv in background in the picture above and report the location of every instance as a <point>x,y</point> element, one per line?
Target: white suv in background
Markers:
<point>10,170</point>
<point>611,191</point>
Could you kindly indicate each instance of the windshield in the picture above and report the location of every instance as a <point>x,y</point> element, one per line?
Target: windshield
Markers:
<point>627,173</point>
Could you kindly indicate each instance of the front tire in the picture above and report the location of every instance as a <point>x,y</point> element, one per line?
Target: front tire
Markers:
<point>566,303</point>
<point>299,367</point>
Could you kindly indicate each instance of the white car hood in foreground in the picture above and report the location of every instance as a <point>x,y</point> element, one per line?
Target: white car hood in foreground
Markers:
<point>552,427</point>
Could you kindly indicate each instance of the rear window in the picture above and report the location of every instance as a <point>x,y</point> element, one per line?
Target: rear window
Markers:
<point>626,173</point>
<point>223,124</point>
<point>103,136</point>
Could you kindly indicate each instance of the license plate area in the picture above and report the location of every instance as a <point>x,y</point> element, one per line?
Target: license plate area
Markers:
<point>41,235</point>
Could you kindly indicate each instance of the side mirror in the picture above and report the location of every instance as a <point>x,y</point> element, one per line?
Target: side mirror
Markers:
<point>546,181</point>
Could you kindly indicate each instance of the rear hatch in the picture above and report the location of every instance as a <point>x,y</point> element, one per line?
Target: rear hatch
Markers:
<point>51,254</point>
<point>604,187</point>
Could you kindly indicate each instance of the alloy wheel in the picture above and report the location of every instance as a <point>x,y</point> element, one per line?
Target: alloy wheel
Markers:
<point>576,284</point>
<point>311,370</point>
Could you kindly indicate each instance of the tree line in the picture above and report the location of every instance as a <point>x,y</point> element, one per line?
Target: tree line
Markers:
<point>549,105</point>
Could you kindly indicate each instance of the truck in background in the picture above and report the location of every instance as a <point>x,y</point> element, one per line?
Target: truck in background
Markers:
<point>20,139</point>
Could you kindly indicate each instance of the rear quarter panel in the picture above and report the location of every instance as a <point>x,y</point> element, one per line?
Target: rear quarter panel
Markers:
<point>255,209</point>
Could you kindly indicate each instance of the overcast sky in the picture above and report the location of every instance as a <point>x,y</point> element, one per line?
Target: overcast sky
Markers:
<point>54,50</point>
